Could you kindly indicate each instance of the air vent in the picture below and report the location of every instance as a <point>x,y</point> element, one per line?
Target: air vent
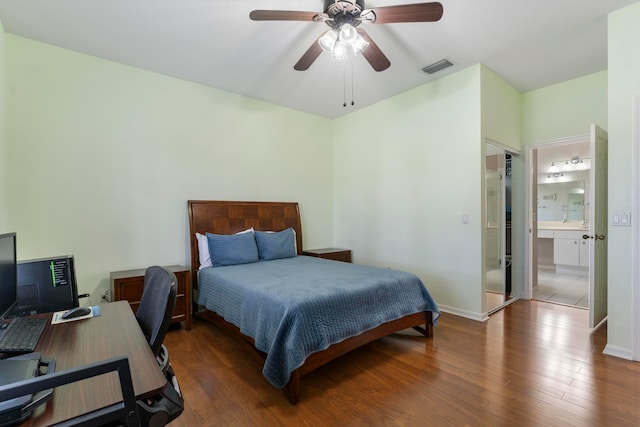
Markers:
<point>437,66</point>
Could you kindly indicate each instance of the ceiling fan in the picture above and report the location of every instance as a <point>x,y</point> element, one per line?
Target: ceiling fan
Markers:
<point>343,17</point>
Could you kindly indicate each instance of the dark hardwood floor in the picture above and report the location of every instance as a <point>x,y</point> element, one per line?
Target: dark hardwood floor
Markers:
<point>531,364</point>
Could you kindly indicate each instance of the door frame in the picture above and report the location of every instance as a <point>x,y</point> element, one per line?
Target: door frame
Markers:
<point>514,152</point>
<point>635,239</point>
<point>531,210</point>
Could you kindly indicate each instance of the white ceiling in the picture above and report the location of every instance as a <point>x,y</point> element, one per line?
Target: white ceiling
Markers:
<point>530,43</point>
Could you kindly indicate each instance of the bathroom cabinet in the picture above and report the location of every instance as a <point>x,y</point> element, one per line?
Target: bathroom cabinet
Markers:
<point>569,248</point>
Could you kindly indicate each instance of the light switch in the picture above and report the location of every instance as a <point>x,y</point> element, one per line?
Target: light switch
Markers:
<point>625,219</point>
<point>621,219</point>
<point>465,218</point>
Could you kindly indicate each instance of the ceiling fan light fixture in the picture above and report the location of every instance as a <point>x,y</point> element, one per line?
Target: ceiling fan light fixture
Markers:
<point>339,50</point>
<point>328,41</point>
<point>348,34</point>
<point>359,45</point>
<point>344,16</point>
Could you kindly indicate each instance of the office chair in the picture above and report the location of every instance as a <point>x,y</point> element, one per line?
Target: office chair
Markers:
<point>154,315</point>
<point>124,412</point>
<point>156,305</point>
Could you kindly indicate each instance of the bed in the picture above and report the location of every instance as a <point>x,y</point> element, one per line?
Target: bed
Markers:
<point>297,312</point>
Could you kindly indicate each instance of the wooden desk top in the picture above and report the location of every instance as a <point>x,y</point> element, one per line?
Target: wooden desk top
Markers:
<point>114,333</point>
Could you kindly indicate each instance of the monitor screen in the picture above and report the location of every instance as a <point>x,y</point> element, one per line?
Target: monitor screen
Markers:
<point>7,273</point>
<point>46,285</point>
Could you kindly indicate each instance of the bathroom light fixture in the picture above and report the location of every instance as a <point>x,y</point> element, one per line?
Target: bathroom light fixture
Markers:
<point>581,165</point>
<point>568,165</point>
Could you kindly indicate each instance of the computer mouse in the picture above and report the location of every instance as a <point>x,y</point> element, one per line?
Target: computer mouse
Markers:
<point>76,312</point>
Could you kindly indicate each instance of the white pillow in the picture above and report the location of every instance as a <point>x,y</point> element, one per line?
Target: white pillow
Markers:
<point>203,248</point>
<point>203,251</point>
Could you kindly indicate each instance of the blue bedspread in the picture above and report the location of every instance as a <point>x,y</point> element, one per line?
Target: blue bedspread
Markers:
<point>297,306</point>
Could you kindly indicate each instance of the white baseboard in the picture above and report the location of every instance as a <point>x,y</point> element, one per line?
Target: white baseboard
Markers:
<point>621,352</point>
<point>480,317</point>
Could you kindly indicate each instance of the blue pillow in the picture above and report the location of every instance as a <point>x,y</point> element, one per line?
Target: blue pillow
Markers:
<point>281,244</point>
<point>231,249</point>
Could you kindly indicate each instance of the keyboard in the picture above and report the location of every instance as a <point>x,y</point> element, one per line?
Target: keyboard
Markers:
<point>22,334</point>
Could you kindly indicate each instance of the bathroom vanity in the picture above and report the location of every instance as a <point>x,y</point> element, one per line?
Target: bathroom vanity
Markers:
<point>562,221</point>
<point>562,245</point>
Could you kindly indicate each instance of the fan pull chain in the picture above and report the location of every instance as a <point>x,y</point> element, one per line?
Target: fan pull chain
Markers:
<point>352,103</point>
<point>344,85</point>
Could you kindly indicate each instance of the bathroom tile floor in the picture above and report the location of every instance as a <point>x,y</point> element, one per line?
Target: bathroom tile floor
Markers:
<point>565,288</point>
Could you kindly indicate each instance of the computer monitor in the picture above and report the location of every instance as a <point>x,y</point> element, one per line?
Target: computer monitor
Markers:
<point>46,285</point>
<point>8,274</point>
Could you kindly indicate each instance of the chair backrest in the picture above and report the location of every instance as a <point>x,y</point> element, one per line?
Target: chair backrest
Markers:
<point>124,412</point>
<point>157,305</point>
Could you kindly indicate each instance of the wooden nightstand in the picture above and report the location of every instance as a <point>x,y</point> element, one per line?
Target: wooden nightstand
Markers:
<point>335,254</point>
<point>128,284</point>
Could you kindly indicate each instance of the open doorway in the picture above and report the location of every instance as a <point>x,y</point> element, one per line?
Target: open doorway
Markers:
<point>562,205</point>
<point>577,241</point>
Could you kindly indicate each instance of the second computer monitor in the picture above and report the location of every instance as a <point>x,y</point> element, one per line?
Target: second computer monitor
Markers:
<point>46,284</point>
<point>7,274</point>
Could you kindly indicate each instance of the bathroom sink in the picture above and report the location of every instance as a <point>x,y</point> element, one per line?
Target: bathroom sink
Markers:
<point>558,225</point>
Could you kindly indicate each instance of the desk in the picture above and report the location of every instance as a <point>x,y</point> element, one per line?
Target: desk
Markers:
<point>114,333</point>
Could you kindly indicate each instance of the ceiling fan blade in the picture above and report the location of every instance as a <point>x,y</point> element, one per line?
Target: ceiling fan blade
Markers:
<point>418,12</point>
<point>281,15</point>
<point>373,54</point>
<point>308,57</point>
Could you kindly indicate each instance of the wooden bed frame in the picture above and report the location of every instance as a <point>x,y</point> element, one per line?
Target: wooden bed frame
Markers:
<point>224,217</point>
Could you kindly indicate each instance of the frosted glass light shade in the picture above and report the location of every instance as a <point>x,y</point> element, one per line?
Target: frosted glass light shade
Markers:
<point>348,34</point>
<point>328,41</point>
<point>359,44</point>
<point>340,50</point>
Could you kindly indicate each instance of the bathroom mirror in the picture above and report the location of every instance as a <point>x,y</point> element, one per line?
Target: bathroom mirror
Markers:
<point>561,201</point>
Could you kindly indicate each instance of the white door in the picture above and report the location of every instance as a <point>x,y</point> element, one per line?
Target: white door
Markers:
<point>533,225</point>
<point>598,217</point>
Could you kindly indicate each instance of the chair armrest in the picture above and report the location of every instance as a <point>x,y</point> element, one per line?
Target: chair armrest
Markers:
<point>125,411</point>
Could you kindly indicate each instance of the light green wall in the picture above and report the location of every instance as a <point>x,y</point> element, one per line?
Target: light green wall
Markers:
<point>4,149</point>
<point>565,109</point>
<point>624,85</point>
<point>104,158</point>
<point>406,169</point>
<point>500,110</point>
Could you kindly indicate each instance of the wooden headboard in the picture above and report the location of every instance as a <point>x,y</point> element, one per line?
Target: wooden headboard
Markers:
<point>221,217</point>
